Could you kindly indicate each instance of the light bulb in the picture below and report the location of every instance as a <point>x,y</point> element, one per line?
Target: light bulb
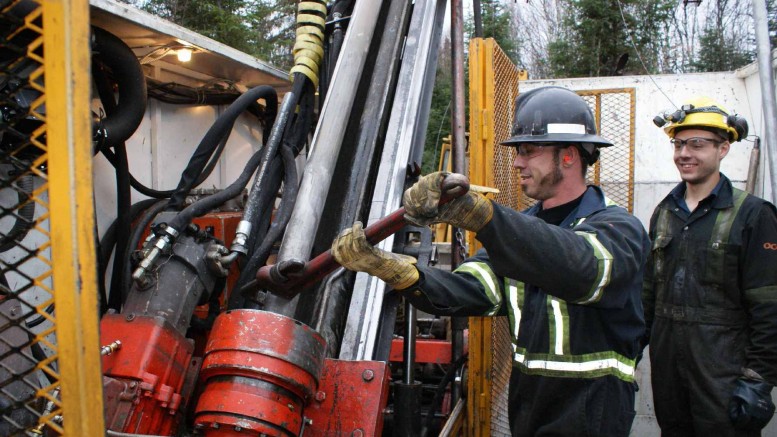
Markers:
<point>184,54</point>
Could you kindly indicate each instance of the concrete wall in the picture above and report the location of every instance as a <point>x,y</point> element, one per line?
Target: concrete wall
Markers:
<point>655,173</point>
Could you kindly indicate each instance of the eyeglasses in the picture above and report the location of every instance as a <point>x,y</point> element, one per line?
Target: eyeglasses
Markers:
<point>530,150</point>
<point>694,143</point>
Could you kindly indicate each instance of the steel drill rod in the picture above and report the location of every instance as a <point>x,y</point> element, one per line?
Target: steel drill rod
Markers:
<point>290,277</point>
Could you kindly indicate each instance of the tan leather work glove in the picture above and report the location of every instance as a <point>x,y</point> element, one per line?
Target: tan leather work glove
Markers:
<point>471,211</point>
<point>352,250</point>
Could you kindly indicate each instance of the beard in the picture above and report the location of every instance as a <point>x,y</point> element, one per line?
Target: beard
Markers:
<point>545,187</point>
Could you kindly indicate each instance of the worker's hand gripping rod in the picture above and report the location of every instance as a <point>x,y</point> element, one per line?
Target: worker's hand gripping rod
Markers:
<point>289,277</point>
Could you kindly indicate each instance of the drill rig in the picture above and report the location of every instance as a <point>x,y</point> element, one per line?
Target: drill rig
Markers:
<point>192,343</point>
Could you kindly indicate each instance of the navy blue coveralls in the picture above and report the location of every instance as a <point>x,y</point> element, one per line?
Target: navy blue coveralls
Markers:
<point>710,298</point>
<point>572,295</point>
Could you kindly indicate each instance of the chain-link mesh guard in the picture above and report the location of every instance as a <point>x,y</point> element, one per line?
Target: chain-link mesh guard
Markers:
<point>29,380</point>
<point>614,111</point>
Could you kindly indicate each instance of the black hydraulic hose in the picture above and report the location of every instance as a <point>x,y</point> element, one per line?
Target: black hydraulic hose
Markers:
<point>25,214</point>
<point>210,141</point>
<point>107,245</point>
<point>338,34</point>
<point>295,135</point>
<point>165,194</point>
<point>251,210</point>
<point>206,204</point>
<point>123,190</point>
<point>440,391</point>
<point>336,29</point>
<point>119,126</point>
<point>282,217</point>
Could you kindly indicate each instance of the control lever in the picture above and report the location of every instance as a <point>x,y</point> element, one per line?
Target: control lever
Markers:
<point>289,277</point>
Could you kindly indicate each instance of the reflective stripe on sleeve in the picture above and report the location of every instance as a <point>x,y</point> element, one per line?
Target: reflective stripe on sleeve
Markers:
<point>604,262</point>
<point>487,278</point>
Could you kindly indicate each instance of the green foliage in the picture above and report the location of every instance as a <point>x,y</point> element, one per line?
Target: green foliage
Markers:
<point>498,24</point>
<point>595,38</point>
<point>718,52</point>
<point>439,125</point>
<point>262,28</point>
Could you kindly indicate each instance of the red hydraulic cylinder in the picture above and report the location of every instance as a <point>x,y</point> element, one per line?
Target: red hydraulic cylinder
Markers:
<point>259,371</point>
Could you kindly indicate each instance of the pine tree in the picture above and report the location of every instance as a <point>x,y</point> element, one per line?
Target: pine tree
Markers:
<point>262,28</point>
<point>599,37</point>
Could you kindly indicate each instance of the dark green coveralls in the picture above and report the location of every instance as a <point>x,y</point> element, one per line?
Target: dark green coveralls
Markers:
<point>710,298</point>
<point>572,295</point>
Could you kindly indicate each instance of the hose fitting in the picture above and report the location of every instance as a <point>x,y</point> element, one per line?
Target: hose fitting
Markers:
<point>309,46</point>
<point>241,237</point>
<point>162,245</point>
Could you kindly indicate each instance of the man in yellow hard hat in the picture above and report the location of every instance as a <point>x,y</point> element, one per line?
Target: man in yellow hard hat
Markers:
<point>710,289</point>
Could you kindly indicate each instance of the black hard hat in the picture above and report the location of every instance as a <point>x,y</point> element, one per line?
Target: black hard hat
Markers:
<point>553,114</point>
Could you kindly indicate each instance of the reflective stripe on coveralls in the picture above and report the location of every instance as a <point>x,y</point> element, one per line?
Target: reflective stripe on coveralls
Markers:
<point>559,363</point>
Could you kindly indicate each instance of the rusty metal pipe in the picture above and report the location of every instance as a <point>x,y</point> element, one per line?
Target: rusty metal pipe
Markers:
<point>277,278</point>
<point>457,150</point>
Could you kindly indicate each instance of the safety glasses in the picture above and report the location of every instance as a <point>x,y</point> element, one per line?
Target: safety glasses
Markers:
<point>694,143</point>
<point>530,150</point>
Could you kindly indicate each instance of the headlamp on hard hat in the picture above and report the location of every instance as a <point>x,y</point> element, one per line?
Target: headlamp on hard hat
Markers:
<point>704,114</point>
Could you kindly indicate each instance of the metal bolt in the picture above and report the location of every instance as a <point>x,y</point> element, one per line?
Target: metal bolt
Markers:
<point>130,317</point>
<point>133,384</point>
<point>199,426</point>
<point>368,375</point>
<point>320,396</point>
<point>238,428</point>
<point>291,407</point>
<point>215,425</point>
<point>358,432</point>
<point>111,348</point>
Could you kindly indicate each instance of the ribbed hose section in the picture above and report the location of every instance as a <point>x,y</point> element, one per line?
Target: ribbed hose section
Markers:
<point>309,46</point>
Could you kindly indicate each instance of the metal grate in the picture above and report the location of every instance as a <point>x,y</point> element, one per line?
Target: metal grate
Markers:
<point>614,111</point>
<point>505,176</point>
<point>493,88</point>
<point>29,379</point>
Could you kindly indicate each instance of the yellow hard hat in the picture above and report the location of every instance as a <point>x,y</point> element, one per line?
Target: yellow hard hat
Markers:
<point>703,112</point>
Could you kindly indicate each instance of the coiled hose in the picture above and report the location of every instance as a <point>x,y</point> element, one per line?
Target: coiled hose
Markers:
<point>309,45</point>
<point>119,126</point>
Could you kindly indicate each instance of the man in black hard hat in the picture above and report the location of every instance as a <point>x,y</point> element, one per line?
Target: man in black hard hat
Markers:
<point>710,292</point>
<point>567,273</point>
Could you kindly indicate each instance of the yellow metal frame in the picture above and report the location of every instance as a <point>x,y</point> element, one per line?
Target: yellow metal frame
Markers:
<point>68,123</point>
<point>482,144</point>
<point>481,104</point>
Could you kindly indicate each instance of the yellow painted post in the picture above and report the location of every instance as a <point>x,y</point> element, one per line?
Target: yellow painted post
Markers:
<point>68,120</point>
<point>481,156</point>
